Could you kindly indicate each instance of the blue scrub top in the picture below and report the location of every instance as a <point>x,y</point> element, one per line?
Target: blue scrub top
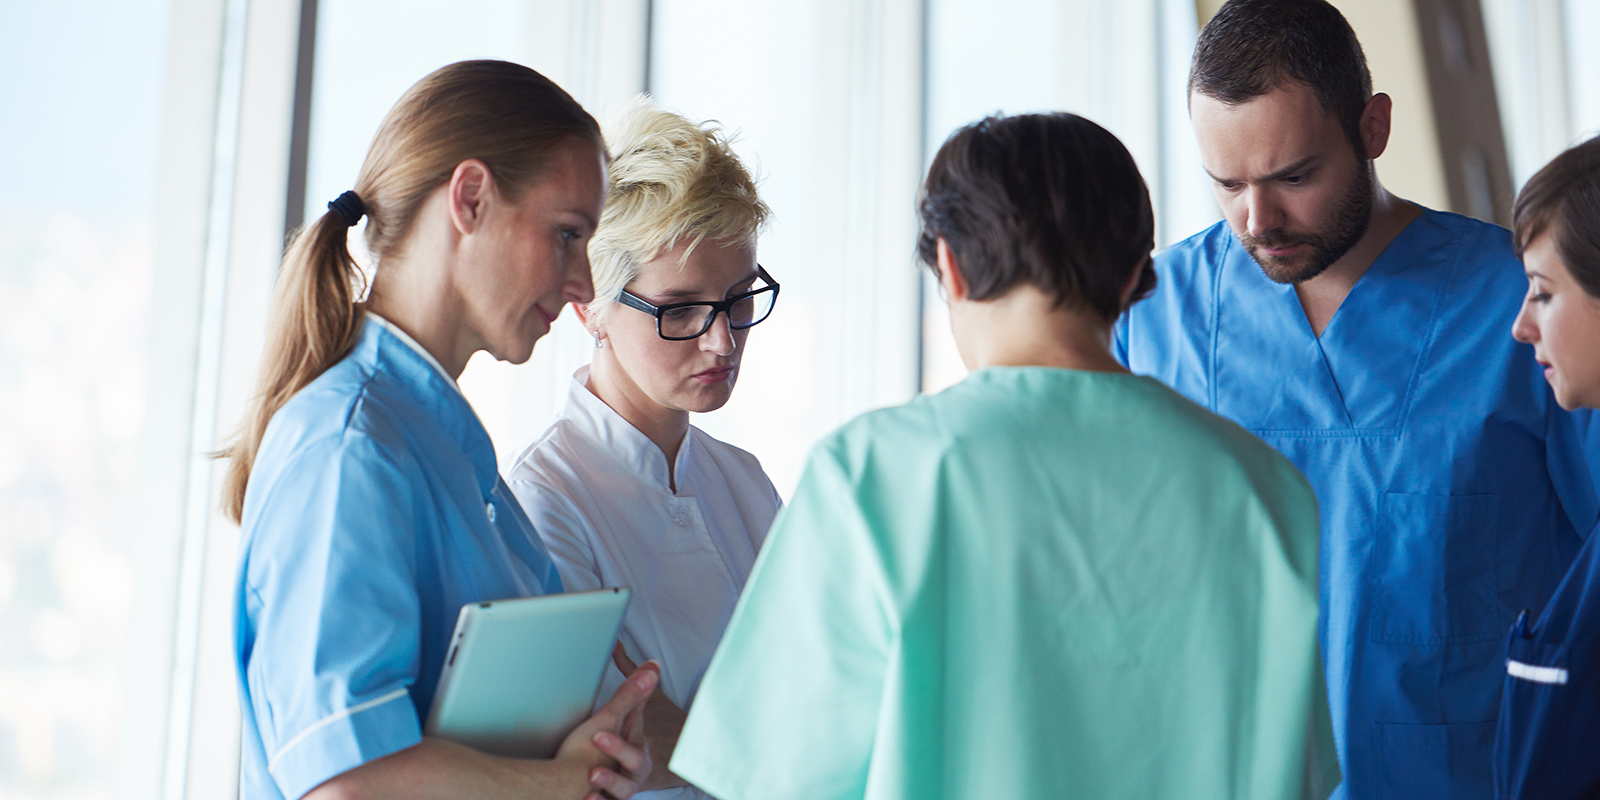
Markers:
<point>375,511</point>
<point>1452,486</point>
<point>1548,745</point>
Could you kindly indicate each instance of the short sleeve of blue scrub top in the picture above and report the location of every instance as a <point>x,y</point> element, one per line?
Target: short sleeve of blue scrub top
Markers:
<point>375,512</point>
<point>334,647</point>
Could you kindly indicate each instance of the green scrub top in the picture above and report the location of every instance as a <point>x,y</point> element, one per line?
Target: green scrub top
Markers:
<point>1038,583</point>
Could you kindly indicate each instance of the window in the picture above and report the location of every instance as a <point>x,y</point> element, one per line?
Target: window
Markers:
<point>92,424</point>
<point>137,268</point>
<point>1547,77</point>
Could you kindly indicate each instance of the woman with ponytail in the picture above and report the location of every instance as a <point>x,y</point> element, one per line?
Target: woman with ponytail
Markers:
<point>366,487</point>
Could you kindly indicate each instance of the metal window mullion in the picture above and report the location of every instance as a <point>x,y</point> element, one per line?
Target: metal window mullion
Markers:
<point>300,123</point>
<point>198,496</point>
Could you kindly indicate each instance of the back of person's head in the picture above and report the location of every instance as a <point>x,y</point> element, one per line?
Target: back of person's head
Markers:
<point>506,115</point>
<point>1562,201</point>
<point>1252,47</point>
<point>672,182</point>
<point>1052,201</point>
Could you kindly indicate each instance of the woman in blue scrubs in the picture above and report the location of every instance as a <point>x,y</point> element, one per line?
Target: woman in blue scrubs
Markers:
<point>367,489</point>
<point>1548,742</point>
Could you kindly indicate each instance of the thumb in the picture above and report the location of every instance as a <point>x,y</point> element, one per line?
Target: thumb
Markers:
<point>619,657</point>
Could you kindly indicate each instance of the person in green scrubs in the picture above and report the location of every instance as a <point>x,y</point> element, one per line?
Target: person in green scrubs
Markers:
<point>1055,578</point>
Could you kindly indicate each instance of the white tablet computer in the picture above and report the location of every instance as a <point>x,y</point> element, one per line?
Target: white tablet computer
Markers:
<point>522,673</point>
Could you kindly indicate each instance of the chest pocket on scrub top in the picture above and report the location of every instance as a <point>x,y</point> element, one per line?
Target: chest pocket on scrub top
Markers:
<point>1433,570</point>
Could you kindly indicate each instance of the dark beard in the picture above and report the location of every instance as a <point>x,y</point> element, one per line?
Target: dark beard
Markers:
<point>1349,225</point>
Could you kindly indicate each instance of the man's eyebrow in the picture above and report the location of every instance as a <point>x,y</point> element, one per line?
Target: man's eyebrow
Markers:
<point>1291,169</point>
<point>1279,175</point>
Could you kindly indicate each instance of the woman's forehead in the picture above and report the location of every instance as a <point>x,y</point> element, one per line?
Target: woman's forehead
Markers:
<point>709,266</point>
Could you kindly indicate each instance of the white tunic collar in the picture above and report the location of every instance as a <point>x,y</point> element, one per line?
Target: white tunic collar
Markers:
<point>619,439</point>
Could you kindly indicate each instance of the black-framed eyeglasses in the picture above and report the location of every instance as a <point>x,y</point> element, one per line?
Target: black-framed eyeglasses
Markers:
<point>677,322</point>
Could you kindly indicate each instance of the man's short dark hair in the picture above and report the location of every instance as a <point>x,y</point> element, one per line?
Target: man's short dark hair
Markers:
<point>1252,47</point>
<point>1562,200</point>
<point>1049,200</point>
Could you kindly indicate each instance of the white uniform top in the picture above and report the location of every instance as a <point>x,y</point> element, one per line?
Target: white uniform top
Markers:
<point>596,490</point>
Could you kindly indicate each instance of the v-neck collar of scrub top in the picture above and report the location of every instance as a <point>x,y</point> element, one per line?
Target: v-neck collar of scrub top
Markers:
<point>620,440</point>
<point>437,393</point>
<point>418,348</point>
<point>1366,366</point>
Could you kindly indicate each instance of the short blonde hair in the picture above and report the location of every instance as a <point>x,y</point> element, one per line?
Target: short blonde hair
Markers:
<point>671,181</point>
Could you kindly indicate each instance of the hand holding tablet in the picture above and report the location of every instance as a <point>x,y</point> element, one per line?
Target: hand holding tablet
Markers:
<point>522,673</point>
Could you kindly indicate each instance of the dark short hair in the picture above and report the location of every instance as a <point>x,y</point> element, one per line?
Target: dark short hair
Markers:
<point>1563,200</point>
<point>1049,200</point>
<point>1252,47</point>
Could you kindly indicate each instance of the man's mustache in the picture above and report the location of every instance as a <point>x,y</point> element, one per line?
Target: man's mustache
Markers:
<point>1272,240</point>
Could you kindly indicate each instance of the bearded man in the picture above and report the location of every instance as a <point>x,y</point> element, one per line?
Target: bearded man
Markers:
<point>1364,337</point>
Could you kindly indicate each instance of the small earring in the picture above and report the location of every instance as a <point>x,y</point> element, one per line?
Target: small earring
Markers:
<point>597,341</point>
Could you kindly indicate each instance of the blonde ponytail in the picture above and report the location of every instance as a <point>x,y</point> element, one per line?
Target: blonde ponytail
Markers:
<point>504,114</point>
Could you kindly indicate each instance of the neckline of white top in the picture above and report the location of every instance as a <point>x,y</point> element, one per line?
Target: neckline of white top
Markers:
<point>621,440</point>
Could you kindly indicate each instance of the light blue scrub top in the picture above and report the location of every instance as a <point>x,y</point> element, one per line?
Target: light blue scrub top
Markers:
<point>1452,486</point>
<point>375,511</point>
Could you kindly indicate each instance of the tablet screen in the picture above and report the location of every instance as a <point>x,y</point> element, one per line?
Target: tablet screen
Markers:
<point>522,673</point>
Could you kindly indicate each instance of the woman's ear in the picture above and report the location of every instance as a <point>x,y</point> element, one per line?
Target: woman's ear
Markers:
<point>470,186</point>
<point>950,278</point>
<point>588,318</point>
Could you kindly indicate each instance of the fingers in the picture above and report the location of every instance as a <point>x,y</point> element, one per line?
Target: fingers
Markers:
<point>633,757</point>
<point>612,784</point>
<point>621,736</point>
<point>611,717</point>
<point>632,693</point>
<point>633,724</point>
<point>619,657</point>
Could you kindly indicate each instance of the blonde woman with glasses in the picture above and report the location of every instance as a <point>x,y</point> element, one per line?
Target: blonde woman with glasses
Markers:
<point>623,489</point>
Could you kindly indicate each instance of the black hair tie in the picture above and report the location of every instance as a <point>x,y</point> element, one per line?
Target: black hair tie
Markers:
<point>349,208</point>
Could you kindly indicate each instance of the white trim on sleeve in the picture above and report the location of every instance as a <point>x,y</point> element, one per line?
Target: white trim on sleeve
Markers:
<point>1529,672</point>
<point>329,720</point>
